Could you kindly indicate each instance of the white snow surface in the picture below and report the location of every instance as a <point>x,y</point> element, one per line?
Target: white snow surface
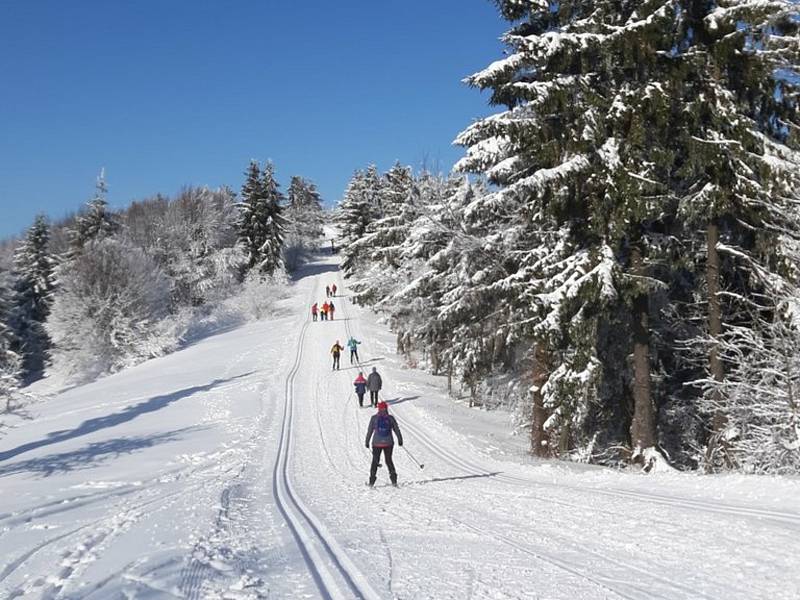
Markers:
<point>236,468</point>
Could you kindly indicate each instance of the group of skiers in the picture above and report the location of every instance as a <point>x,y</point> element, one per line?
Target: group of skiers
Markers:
<point>327,310</point>
<point>382,426</point>
<point>324,312</point>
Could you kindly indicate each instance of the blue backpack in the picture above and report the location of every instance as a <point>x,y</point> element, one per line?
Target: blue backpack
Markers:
<point>383,426</point>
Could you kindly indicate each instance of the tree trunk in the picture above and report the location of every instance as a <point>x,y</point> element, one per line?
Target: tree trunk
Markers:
<point>540,443</point>
<point>719,420</point>
<point>643,425</point>
<point>450,377</point>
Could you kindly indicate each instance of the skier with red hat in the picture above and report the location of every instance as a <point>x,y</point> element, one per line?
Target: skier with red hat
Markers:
<point>381,427</point>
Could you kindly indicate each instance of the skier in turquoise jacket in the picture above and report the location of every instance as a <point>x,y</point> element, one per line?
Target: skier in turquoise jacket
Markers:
<point>353,343</point>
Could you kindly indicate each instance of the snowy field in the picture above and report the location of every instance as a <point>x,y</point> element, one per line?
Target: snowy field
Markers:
<point>236,468</point>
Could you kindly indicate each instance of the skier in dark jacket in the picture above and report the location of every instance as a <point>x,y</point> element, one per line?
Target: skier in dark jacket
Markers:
<point>374,385</point>
<point>336,350</point>
<point>331,308</point>
<point>381,427</point>
<point>361,388</point>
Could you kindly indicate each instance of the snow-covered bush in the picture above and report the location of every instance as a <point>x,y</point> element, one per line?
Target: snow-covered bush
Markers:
<point>110,311</point>
<point>258,296</point>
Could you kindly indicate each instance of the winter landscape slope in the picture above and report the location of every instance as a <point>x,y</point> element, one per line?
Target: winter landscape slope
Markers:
<point>236,468</point>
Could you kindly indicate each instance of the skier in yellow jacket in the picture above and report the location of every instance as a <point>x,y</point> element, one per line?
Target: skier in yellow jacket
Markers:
<point>336,350</point>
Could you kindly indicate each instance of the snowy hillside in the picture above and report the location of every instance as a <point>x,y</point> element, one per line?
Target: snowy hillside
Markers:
<point>236,468</point>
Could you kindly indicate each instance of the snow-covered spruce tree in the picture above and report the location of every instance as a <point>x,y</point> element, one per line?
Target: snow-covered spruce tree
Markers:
<point>109,312</point>
<point>10,361</point>
<point>578,165</point>
<point>262,226</point>
<point>359,207</point>
<point>735,142</point>
<point>304,218</point>
<point>400,197</point>
<point>34,268</point>
<point>95,223</point>
<point>431,259</point>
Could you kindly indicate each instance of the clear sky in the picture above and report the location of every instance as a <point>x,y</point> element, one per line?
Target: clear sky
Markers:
<point>167,93</point>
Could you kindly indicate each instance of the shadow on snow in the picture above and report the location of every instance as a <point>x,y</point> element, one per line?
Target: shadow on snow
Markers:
<point>460,478</point>
<point>92,455</point>
<point>312,269</point>
<point>127,414</point>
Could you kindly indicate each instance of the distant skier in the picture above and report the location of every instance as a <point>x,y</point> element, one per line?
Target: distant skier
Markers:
<point>333,290</point>
<point>336,350</point>
<point>361,388</point>
<point>331,308</point>
<point>374,385</point>
<point>327,291</point>
<point>324,311</point>
<point>381,427</point>
<point>314,311</point>
<point>353,343</point>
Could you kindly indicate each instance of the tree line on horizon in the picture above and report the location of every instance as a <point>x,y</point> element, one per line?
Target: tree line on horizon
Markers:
<point>106,289</point>
<point>621,267</point>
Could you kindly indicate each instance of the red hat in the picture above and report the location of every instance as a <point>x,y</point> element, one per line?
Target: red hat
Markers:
<point>382,405</point>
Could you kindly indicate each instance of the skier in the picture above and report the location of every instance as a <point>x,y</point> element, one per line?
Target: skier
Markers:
<point>353,343</point>
<point>380,429</point>
<point>333,290</point>
<point>336,350</point>
<point>314,311</point>
<point>361,388</point>
<point>331,308</point>
<point>374,385</point>
<point>324,310</point>
<point>327,291</point>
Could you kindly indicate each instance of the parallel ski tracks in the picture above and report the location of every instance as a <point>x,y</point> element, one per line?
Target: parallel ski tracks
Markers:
<point>334,574</point>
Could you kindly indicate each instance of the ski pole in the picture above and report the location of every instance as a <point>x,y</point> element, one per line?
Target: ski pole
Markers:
<point>411,456</point>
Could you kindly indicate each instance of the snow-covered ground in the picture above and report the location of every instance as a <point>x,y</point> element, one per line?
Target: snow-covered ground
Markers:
<point>236,468</point>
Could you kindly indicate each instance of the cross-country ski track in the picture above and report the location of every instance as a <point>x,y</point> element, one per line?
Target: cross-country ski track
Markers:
<point>236,468</point>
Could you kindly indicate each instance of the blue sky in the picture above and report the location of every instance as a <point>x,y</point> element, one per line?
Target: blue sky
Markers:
<point>167,94</point>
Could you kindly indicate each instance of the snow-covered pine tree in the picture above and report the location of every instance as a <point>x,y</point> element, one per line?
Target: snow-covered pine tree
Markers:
<point>305,207</point>
<point>359,207</point>
<point>10,361</point>
<point>578,167</point>
<point>262,224</point>
<point>34,268</point>
<point>95,223</point>
<point>304,219</point>
<point>735,146</point>
<point>429,258</point>
<point>399,200</point>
